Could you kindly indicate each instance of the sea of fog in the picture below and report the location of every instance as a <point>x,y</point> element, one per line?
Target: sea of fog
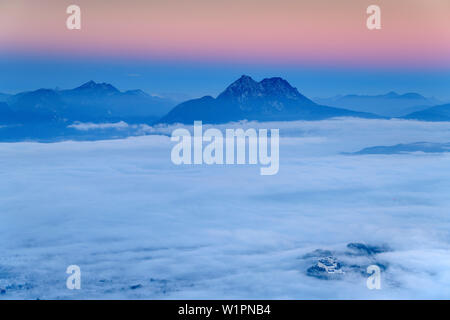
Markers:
<point>141,227</point>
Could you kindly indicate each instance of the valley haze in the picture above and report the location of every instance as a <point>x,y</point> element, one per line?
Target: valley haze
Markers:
<point>141,227</point>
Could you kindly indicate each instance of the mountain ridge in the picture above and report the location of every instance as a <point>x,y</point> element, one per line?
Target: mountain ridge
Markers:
<point>435,113</point>
<point>426,147</point>
<point>271,99</point>
<point>89,102</point>
<point>390,104</point>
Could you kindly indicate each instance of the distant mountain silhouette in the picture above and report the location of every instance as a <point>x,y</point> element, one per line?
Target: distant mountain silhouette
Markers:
<point>37,106</point>
<point>95,102</point>
<point>4,97</point>
<point>7,116</point>
<point>389,105</point>
<point>272,99</point>
<point>436,113</point>
<point>427,147</point>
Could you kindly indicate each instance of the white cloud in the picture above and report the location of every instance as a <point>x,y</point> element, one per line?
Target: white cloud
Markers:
<point>85,126</point>
<point>126,215</point>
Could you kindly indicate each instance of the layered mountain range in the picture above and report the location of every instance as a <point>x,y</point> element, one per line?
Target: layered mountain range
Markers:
<point>272,99</point>
<point>93,102</point>
<point>436,113</point>
<point>391,104</point>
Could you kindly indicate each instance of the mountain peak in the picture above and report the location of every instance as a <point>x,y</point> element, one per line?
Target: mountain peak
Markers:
<point>244,81</point>
<point>408,95</point>
<point>92,85</point>
<point>275,80</point>
<point>279,87</point>
<point>271,99</point>
<point>245,86</point>
<point>412,95</point>
<point>391,94</point>
<point>245,78</point>
<point>137,92</point>
<point>89,84</point>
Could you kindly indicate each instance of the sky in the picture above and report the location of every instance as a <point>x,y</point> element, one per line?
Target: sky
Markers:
<point>198,47</point>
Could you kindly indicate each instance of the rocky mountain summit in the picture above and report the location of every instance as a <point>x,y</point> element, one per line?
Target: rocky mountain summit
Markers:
<point>271,99</point>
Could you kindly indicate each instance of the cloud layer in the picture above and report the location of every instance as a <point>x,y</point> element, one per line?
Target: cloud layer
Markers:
<point>127,216</point>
